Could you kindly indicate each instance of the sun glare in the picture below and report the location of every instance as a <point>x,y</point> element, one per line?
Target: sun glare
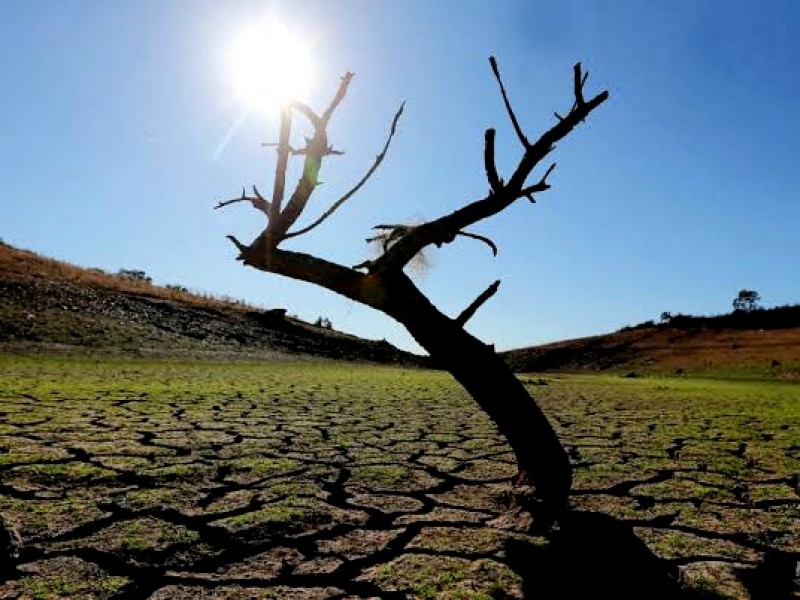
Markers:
<point>270,66</point>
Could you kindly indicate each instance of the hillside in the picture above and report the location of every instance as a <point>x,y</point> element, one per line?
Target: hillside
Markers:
<point>49,305</point>
<point>734,343</point>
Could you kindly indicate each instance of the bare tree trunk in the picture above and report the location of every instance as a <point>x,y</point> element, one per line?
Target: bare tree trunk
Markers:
<point>488,379</point>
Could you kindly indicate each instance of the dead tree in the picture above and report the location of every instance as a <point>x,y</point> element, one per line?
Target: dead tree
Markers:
<point>382,283</point>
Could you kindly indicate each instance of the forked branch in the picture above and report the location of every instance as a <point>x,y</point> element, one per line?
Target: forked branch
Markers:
<point>258,201</point>
<point>539,186</point>
<point>445,229</point>
<point>378,160</point>
<point>317,147</point>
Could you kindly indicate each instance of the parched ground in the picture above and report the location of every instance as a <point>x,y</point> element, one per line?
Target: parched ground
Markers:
<point>203,480</point>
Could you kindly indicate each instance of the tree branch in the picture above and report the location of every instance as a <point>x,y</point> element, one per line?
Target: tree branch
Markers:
<point>340,94</point>
<point>378,160</point>
<point>495,183</point>
<point>444,229</point>
<point>307,112</point>
<point>302,151</point>
<point>540,186</point>
<point>362,288</point>
<point>468,312</point>
<point>510,110</point>
<point>239,245</point>
<point>316,148</point>
<point>258,201</point>
<point>578,83</point>
<point>481,238</point>
<point>388,236</point>
<point>280,167</point>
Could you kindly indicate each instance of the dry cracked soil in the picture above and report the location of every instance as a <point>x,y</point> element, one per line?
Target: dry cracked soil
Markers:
<point>184,480</point>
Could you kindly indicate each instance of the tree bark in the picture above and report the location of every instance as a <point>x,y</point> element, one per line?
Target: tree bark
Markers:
<point>492,384</point>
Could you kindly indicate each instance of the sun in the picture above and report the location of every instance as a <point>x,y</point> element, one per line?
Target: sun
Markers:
<point>270,67</point>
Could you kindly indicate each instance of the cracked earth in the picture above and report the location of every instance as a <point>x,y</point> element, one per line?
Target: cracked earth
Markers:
<point>320,481</point>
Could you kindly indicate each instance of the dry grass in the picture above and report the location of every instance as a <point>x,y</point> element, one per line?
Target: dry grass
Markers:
<point>20,264</point>
<point>721,352</point>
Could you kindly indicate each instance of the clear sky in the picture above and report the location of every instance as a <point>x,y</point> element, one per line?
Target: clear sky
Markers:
<point>678,192</point>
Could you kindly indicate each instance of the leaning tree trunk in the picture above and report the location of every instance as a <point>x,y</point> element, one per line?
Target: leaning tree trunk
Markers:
<point>383,285</point>
<point>541,458</point>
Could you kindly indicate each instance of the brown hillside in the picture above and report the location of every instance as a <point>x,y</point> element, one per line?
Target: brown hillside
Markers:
<point>667,349</point>
<point>24,265</point>
<point>47,304</point>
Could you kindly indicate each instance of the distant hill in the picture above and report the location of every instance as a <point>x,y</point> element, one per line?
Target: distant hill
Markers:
<point>49,305</point>
<point>766,341</point>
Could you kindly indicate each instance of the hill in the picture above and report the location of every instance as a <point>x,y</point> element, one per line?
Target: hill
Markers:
<point>763,341</point>
<point>49,305</point>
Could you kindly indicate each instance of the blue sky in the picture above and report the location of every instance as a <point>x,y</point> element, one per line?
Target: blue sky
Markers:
<point>678,192</point>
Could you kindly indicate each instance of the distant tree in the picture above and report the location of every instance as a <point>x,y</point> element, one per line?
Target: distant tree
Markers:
<point>665,317</point>
<point>746,300</point>
<point>323,322</point>
<point>383,284</point>
<point>135,275</point>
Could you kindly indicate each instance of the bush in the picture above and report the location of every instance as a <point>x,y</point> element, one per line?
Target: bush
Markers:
<point>323,322</point>
<point>134,275</point>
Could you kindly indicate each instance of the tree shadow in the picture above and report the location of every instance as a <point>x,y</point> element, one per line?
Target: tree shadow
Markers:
<point>593,555</point>
<point>773,578</point>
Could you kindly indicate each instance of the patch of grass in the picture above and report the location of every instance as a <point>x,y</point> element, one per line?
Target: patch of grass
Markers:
<point>383,475</point>
<point>429,577</point>
<point>66,578</point>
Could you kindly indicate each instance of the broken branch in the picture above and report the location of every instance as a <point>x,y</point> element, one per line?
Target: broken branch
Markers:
<point>468,312</point>
<point>239,246</point>
<point>578,83</point>
<point>495,183</point>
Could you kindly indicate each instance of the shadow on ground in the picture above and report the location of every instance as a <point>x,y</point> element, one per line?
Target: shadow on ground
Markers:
<point>593,555</point>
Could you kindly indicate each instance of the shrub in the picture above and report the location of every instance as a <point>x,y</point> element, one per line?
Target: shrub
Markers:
<point>134,275</point>
<point>323,322</point>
